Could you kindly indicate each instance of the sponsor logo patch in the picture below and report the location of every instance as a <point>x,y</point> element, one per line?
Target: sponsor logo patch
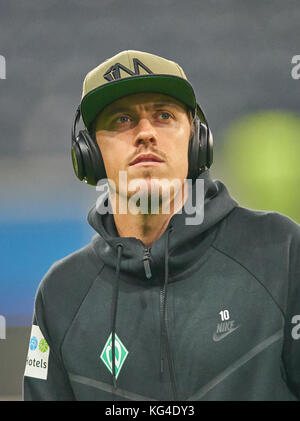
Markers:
<point>38,355</point>
<point>225,328</point>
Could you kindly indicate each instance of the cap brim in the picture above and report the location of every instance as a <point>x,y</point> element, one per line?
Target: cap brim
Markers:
<point>96,100</point>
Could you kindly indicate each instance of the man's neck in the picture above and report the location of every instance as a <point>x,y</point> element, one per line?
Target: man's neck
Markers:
<point>147,227</point>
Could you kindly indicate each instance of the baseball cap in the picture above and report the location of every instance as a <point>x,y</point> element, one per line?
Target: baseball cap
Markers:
<point>130,72</point>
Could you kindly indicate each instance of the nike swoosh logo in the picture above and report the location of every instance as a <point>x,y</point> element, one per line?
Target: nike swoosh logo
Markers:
<point>217,337</point>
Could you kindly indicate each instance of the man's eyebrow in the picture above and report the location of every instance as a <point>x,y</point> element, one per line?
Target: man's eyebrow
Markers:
<point>123,109</point>
<point>115,110</point>
<point>163,104</point>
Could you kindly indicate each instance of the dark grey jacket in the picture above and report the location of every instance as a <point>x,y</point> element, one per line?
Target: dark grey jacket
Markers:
<point>209,312</point>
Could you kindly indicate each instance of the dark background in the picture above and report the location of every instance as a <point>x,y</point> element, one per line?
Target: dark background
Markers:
<point>236,54</point>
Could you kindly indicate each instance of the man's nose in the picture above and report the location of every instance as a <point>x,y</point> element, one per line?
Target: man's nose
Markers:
<point>145,133</point>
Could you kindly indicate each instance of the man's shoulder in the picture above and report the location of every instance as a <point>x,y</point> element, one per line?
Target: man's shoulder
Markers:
<point>76,270</point>
<point>265,244</point>
<point>62,291</point>
<point>253,235</point>
<point>262,225</point>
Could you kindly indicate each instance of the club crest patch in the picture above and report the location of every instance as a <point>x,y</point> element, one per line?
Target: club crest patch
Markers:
<point>120,354</point>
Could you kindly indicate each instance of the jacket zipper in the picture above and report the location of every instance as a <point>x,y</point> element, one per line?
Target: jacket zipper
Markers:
<point>163,321</point>
<point>165,335</point>
<point>161,301</point>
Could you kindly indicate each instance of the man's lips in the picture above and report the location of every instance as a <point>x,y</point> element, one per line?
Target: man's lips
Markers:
<point>146,159</point>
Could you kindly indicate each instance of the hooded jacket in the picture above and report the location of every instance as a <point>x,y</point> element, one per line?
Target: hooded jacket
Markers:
<point>208,312</point>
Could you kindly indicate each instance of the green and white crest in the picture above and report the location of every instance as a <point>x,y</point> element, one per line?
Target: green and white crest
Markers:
<point>120,354</point>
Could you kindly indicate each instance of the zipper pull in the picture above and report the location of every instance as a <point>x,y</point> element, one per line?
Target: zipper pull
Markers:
<point>146,260</point>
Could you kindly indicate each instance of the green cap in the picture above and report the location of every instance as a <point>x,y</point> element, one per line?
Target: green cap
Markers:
<point>131,72</point>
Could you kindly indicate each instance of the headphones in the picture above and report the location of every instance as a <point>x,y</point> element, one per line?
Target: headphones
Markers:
<point>88,162</point>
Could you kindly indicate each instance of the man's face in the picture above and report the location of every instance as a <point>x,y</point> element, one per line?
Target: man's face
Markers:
<point>145,134</point>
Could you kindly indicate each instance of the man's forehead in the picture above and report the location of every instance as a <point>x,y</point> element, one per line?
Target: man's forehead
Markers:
<point>147,99</point>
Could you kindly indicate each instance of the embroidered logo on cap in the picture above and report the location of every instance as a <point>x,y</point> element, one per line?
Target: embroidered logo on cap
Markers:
<point>114,72</point>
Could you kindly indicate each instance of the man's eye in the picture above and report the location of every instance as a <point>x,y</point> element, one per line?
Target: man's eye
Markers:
<point>165,115</point>
<point>123,119</point>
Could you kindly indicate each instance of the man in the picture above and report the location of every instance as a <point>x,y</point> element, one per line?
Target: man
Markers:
<point>159,306</point>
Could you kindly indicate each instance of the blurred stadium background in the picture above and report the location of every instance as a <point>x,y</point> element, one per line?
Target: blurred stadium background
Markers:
<point>236,54</point>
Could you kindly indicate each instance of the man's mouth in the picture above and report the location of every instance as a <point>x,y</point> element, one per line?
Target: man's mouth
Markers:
<point>146,160</point>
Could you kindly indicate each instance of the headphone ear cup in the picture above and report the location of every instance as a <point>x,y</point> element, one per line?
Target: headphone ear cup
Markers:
<point>210,148</point>
<point>88,158</point>
<point>193,152</point>
<point>202,156</point>
<point>200,150</point>
<point>206,147</point>
<point>77,160</point>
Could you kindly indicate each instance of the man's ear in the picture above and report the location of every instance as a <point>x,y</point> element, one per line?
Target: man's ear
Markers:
<point>192,128</point>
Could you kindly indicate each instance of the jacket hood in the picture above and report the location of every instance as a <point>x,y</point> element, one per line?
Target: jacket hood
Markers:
<point>185,243</point>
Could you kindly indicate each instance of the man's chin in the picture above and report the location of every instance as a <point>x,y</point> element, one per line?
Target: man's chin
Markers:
<point>147,182</point>
<point>155,186</point>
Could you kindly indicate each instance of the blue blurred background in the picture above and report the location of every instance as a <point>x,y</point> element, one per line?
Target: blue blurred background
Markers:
<point>237,55</point>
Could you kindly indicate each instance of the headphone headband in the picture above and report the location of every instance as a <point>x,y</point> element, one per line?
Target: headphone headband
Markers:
<point>201,115</point>
<point>75,122</point>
